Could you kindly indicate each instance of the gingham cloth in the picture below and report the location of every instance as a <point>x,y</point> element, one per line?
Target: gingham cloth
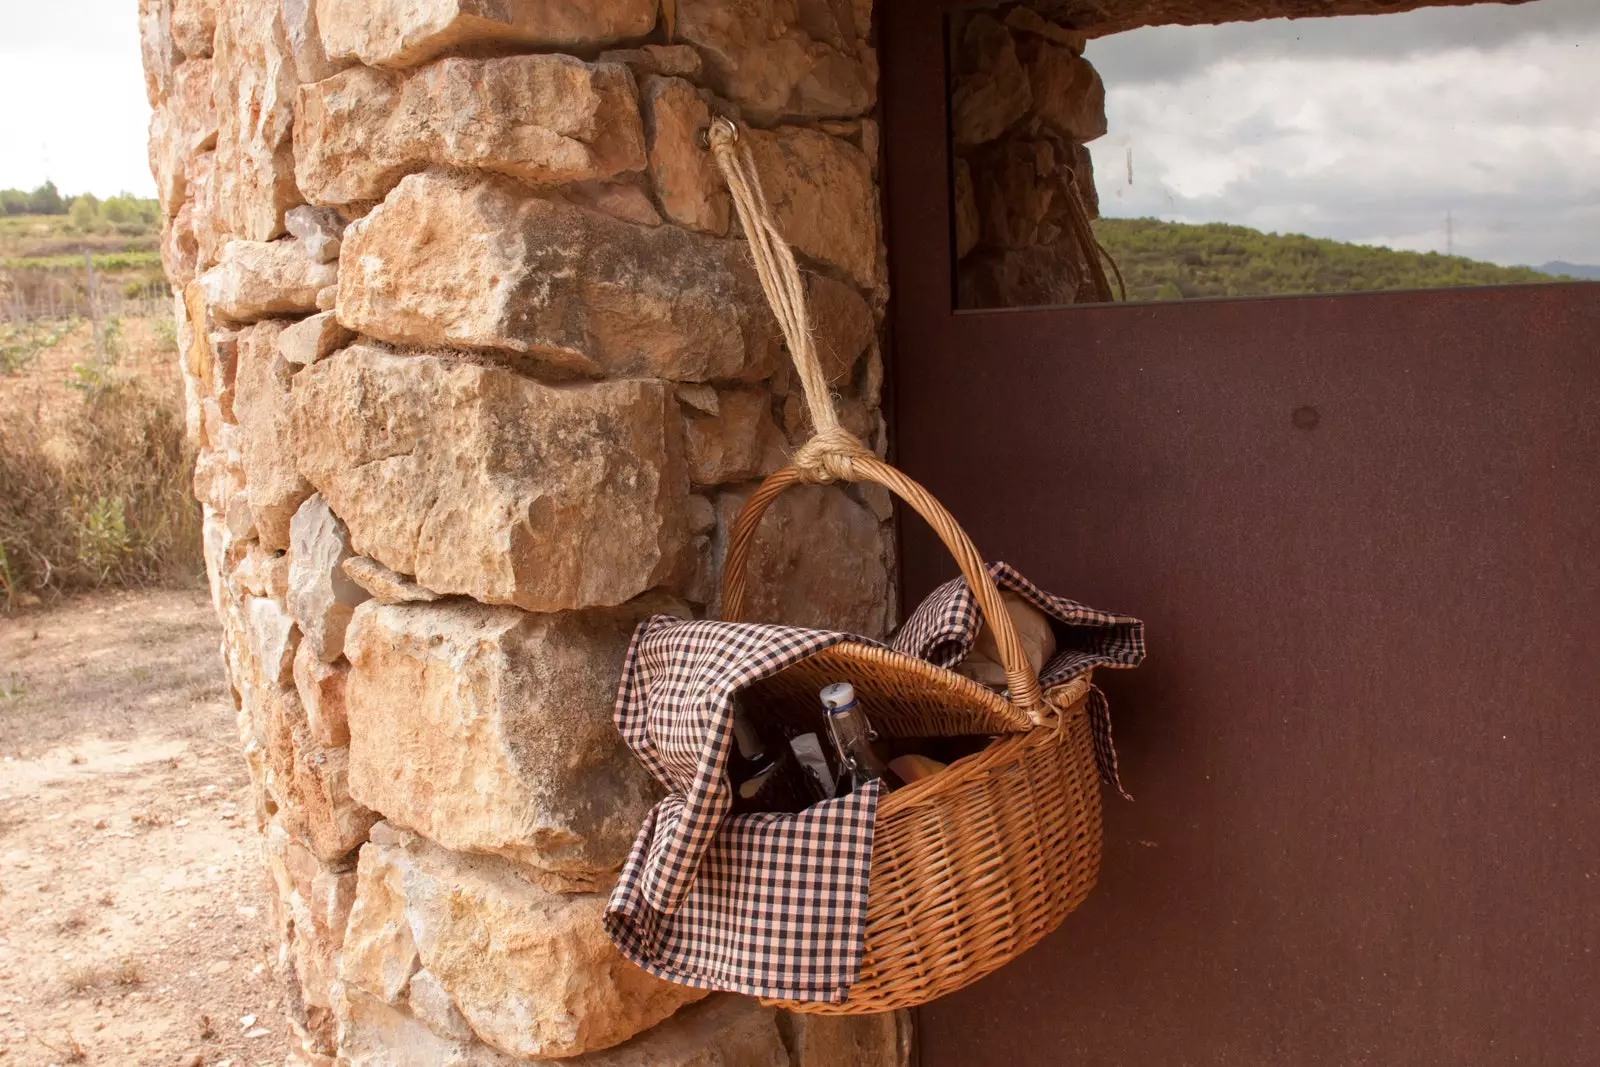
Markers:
<point>945,626</point>
<point>769,905</point>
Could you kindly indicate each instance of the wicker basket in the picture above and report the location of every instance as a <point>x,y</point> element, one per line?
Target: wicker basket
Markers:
<point>976,864</point>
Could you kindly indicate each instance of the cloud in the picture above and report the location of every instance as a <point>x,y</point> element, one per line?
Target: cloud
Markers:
<point>1372,145</point>
<point>75,109</point>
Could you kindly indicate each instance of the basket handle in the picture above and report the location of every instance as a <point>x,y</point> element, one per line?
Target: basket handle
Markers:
<point>1021,679</point>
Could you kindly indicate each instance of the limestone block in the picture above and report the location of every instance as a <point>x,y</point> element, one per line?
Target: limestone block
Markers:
<point>264,403</point>
<point>157,47</point>
<point>321,687</point>
<point>842,327</point>
<point>180,251</point>
<point>1067,91</point>
<point>254,83</point>
<point>304,38</point>
<point>968,225</point>
<point>778,60</point>
<point>1026,20</point>
<point>194,26</point>
<point>374,1034</point>
<point>532,972</point>
<point>430,1002</point>
<point>321,596</point>
<point>688,184</point>
<point>489,730</point>
<point>541,118</point>
<point>823,197</point>
<point>404,35</point>
<point>255,279</point>
<point>666,60</point>
<point>1022,277</point>
<point>386,586</point>
<point>848,1041</point>
<point>720,1031</point>
<point>992,90</point>
<point>482,482</point>
<point>262,572</point>
<point>620,200</point>
<point>210,230</point>
<point>312,339</point>
<point>182,128</point>
<point>737,442</point>
<point>271,640</point>
<point>316,903</point>
<point>310,782</point>
<point>817,560</point>
<point>449,261</point>
<point>319,230</point>
<point>379,954</point>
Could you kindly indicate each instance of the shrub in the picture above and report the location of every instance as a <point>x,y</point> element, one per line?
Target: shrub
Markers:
<point>96,492</point>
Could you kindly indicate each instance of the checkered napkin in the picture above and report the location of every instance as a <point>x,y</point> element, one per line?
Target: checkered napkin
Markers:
<point>945,626</point>
<point>770,905</point>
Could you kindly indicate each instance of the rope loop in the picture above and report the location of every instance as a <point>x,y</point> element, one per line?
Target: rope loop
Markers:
<point>828,454</point>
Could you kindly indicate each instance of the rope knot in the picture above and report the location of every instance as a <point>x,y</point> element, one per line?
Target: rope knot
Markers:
<point>829,456</point>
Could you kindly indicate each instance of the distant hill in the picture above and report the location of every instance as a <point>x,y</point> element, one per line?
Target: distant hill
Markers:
<point>1172,261</point>
<point>1562,269</point>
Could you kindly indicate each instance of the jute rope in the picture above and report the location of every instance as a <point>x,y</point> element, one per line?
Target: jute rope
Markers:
<point>831,450</point>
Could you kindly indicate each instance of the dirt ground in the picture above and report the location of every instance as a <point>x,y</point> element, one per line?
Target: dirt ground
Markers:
<point>133,899</point>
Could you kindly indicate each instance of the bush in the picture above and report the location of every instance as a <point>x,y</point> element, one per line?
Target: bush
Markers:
<point>97,493</point>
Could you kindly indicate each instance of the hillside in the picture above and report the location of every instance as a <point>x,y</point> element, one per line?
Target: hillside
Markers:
<point>1171,261</point>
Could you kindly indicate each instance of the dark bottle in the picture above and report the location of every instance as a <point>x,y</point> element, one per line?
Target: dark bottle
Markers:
<point>852,739</point>
<point>765,778</point>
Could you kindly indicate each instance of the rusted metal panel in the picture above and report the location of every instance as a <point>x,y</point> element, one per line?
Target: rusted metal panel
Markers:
<point>1365,534</point>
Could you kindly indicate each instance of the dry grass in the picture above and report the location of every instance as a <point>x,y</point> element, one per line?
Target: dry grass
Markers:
<point>95,488</point>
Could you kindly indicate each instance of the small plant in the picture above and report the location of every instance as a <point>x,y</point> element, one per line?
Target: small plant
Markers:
<point>21,345</point>
<point>130,971</point>
<point>85,977</point>
<point>103,540</point>
<point>13,687</point>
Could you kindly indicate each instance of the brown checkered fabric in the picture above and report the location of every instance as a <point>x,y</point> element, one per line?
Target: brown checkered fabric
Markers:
<point>945,626</point>
<point>767,905</point>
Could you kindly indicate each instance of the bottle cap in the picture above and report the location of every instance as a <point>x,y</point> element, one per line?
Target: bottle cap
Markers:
<point>838,696</point>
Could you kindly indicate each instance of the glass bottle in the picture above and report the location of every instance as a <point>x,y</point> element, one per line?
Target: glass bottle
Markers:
<point>852,740</point>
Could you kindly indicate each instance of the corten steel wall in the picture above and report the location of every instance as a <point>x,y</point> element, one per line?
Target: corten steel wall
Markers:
<point>1363,532</point>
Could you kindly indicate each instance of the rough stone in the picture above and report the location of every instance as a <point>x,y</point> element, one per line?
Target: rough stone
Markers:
<point>310,782</point>
<point>194,26</point>
<point>318,229</point>
<point>430,1002</point>
<point>316,904</point>
<point>322,693</point>
<point>489,730</point>
<point>541,118</point>
<point>271,639</point>
<point>816,560</point>
<point>1039,276</point>
<point>182,128</point>
<point>304,38</point>
<point>533,972</point>
<point>447,261</point>
<point>968,225</point>
<point>254,85</point>
<point>720,1031</point>
<point>384,585</point>
<point>1027,20</point>
<point>823,197</point>
<point>159,51</point>
<point>737,442</point>
<point>841,325</point>
<point>848,1041</point>
<point>1068,94</point>
<point>665,60</point>
<point>482,482</point>
<point>321,596</point>
<point>992,90</point>
<point>620,200</point>
<point>260,572</point>
<point>311,339</point>
<point>688,185</point>
<point>375,1034</point>
<point>781,59</point>
<point>254,279</point>
<point>264,404</point>
<point>404,35</point>
<point>379,953</point>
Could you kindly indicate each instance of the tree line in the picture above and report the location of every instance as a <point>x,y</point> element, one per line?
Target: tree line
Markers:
<point>86,213</point>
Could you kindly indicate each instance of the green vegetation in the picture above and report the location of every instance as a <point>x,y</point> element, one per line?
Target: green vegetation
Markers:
<point>110,262</point>
<point>1172,261</point>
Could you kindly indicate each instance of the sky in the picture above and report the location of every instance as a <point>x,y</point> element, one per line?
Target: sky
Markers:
<point>1363,128</point>
<point>1376,129</point>
<point>73,85</point>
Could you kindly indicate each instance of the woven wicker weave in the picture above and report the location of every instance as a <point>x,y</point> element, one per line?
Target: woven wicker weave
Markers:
<point>974,865</point>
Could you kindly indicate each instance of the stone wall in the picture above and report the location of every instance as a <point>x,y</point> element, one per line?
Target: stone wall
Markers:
<point>479,372</point>
<point>1023,104</point>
